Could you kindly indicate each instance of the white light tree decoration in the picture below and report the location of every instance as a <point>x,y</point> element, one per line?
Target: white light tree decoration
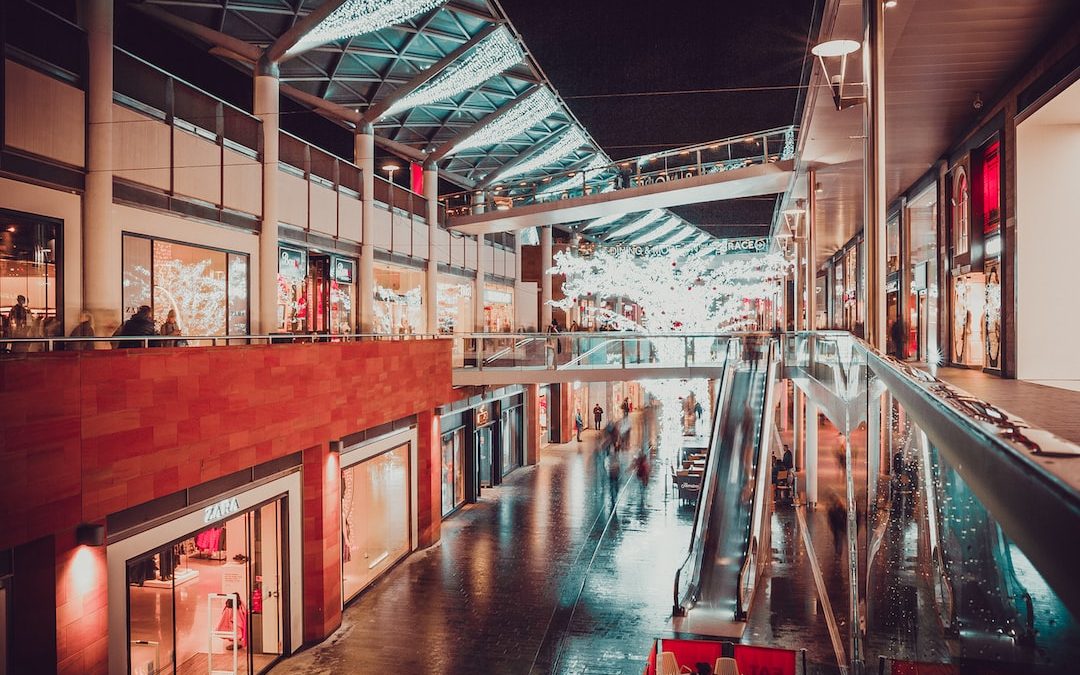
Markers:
<point>678,295</point>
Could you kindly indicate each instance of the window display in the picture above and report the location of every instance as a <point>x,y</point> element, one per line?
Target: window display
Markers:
<point>375,526</point>
<point>961,215</point>
<point>29,287</point>
<point>455,307</point>
<point>453,470</point>
<point>969,307</point>
<point>342,295</point>
<point>207,288</point>
<point>498,309</point>
<point>922,325</point>
<point>511,440</point>
<point>399,300</point>
<point>210,601</point>
<point>292,291</point>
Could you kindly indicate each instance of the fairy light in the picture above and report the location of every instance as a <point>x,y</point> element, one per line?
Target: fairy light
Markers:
<point>524,115</point>
<point>359,17</point>
<point>628,229</point>
<point>491,56</point>
<point>592,166</point>
<point>571,140</point>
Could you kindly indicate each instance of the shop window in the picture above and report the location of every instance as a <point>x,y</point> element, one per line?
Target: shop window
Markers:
<point>211,601</point>
<point>399,300</point>
<point>498,309</point>
<point>453,470</point>
<point>455,307</point>
<point>29,268</point>
<point>207,288</point>
<point>961,213</point>
<point>991,186</point>
<point>892,245</point>
<point>969,307</point>
<point>375,528</point>
<point>292,290</point>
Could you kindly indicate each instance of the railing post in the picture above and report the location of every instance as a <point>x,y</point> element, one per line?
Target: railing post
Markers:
<point>622,345</point>
<point>479,353</point>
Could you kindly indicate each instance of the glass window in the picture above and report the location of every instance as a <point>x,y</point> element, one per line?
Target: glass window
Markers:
<point>455,307</point>
<point>375,517</point>
<point>453,470</point>
<point>342,295</point>
<point>29,255</point>
<point>292,299</point>
<point>892,245</point>
<point>399,300</point>
<point>498,308</point>
<point>207,288</point>
<point>991,185</point>
<point>960,213</point>
<point>511,440</point>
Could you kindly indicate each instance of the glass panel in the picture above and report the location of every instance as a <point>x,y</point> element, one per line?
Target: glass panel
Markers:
<point>483,456</point>
<point>498,309</point>
<point>969,307</point>
<point>459,467</point>
<point>137,265</point>
<point>238,294</point>
<point>375,511</point>
<point>267,608</point>
<point>190,281</point>
<point>447,473</point>
<point>28,271</point>
<point>292,303</point>
<point>151,613</point>
<point>342,301</point>
<point>399,300</point>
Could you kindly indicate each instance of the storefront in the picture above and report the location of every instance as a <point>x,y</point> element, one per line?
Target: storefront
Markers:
<point>30,262</point>
<point>922,307</point>
<point>544,413</point>
<point>206,287</point>
<point>378,508</point>
<point>316,292</point>
<point>399,300</point>
<point>894,335</point>
<point>453,468</point>
<point>215,587</point>
<point>498,308</point>
<point>481,444</point>
<point>847,269</point>
<point>455,313</point>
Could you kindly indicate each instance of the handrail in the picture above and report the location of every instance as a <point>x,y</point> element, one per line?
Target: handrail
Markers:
<point>35,344</point>
<point>502,352</point>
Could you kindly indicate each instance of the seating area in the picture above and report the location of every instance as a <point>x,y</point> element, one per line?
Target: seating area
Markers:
<point>669,665</point>
<point>687,480</point>
<point>672,656</point>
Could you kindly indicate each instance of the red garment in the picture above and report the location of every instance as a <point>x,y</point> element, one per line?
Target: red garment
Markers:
<point>225,623</point>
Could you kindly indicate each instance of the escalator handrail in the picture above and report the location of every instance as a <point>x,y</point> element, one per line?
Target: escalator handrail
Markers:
<point>518,344</point>
<point>762,434</point>
<point>715,437</point>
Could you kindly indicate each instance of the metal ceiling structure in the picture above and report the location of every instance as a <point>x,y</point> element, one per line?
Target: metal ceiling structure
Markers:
<point>358,61</point>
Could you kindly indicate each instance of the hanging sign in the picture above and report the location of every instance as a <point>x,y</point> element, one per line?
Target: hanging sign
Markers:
<point>483,415</point>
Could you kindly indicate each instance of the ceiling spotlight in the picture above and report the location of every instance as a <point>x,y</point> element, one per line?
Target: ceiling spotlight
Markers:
<point>833,50</point>
<point>889,4</point>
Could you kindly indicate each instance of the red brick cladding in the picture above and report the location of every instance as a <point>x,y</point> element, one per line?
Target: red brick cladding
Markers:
<point>86,434</point>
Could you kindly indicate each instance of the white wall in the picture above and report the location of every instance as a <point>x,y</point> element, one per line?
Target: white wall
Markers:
<point>1047,246</point>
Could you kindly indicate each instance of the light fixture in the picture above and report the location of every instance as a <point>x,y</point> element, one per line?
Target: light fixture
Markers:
<point>891,3</point>
<point>89,534</point>
<point>832,50</point>
<point>524,115</point>
<point>568,142</point>
<point>491,56</point>
<point>359,17</point>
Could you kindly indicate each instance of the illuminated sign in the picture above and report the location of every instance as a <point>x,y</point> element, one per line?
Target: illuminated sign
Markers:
<point>223,509</point>
<point>730,246</point>
<point>482,416</point>
<point>343,270</point>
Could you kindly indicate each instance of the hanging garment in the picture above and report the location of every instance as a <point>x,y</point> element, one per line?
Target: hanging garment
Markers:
<point>211,540</point>
<point>228,617</point>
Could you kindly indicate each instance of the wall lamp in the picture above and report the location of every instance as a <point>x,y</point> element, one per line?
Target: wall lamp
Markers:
<point>836,53</point>
<point>89,534</point>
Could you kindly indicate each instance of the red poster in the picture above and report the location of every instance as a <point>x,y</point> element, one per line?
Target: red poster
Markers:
<point>416,178</point>
<point>764,660</point>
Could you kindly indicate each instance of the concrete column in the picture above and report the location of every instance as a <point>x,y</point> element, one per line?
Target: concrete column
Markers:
<point>102,245</point>
<point>532,423</point>
<point>479,206</point>
<point>545,278</point>
<point>364,157</point>
<point>811,246</point>
<point>429,478</point>
<point>874,170</point>
<point>784,403</point>
<point>267,109</point>
<point>431,197</point>
<point>321,507</point>
<point>797,439</point>
<point>796,296</point>
<point>811,452</point>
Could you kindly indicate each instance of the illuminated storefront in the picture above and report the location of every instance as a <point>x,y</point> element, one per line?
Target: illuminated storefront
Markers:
<point>498,308</point>
<point>399,300</point>
<point>206,287</point>
<point>29,263</point>
<point>316,292</point>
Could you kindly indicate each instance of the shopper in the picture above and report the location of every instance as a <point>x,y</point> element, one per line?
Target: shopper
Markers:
<point>18,318</point>
<point>85,329</point>
<point>625,406</point>
<point>140,324</point>
<point>598,415</point>
<point>614,471</point>
<point>171,327</point>
<point>579,424</point>
<point>837,515</point>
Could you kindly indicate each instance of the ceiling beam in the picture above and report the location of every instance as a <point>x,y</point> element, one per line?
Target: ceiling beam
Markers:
<point>445,149</point>
<point>278,52</point>
<point>423,77</point>
<point>216,38</point>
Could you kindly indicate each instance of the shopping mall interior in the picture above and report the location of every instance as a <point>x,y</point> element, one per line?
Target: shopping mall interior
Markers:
<point>497,336</point>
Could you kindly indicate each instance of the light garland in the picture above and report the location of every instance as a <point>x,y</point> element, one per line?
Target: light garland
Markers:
<point>524,115</point>
<point>569,141</point>
<point>491,56</point>
<point>628,229</point>
<point>359,17</point>
<point>593,165</point>
<point>667,227</point>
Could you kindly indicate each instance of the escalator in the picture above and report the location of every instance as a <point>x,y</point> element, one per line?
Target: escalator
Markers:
<point>715,584</point>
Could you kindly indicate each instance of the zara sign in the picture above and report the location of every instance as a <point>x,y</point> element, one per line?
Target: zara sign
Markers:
<point>224,508</point>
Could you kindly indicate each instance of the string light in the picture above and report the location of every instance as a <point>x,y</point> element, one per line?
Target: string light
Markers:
<point>524,115</point>
<point>359,17</point>
<point>571,140</point>
<point>491,56</point>
<point>594,165</point>
<point>646,220</point>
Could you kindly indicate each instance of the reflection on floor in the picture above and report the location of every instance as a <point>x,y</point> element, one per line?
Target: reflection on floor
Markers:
<point>151,611</point>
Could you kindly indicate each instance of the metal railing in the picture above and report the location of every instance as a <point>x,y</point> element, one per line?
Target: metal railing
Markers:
<point>55,344</point>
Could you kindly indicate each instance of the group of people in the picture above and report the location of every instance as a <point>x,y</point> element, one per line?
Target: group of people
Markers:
<point>141,324</point>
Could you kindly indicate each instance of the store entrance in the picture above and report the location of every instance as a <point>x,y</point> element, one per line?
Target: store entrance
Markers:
<point>484,468</point>
<point>318,293</point>
<point>212,601</point>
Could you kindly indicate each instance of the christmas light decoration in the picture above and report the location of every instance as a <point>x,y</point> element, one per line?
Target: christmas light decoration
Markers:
<point>359,17</point>
<point>524,115</point>
<point>628,229</point>
<point>602,222</point>
<point>665,228</point>
<point>491,56</point>
<point>687,231</point>
<point>593,166</point>
<point>569,141</point>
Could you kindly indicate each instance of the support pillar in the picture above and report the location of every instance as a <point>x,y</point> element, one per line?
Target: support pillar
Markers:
<point>810,270</point>
<point>364,156</point>
<point>545,278</point>
<point>532,424</point>
<point>102,244</point>
<point>797,439</point>
<point>431,197</point>
<point>873,443</point>
<point>267,108</point>
<point>322,542</point>
<point>811,452</point>
<point>429,478</point>
<point>479,206</point>
<point>874,187</point>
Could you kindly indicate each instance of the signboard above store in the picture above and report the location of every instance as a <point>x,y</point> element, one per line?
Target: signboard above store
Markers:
<point>731,246</point>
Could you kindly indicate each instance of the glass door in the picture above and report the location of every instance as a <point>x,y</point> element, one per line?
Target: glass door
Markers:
<point>483,456</point>
<point>318,293</point>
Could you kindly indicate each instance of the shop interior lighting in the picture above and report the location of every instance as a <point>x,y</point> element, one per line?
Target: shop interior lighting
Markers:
<point>568,142</point>
<point>359,17</point>
<point>662,230</point>
<point>630,228</point>
<point>524,115</point>
<point>591,170</point>
<point>491,56</point>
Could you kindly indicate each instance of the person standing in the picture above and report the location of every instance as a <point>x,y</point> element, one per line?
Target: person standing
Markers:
<point>614,471</point>
<point>837,515</point>
<point>170,327</point>
<point>579,424</point>
<point>17,319</point>
<point>625,406</point>
<point>140,324</point>
<point>598,415</point>
<point>83,330</point>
